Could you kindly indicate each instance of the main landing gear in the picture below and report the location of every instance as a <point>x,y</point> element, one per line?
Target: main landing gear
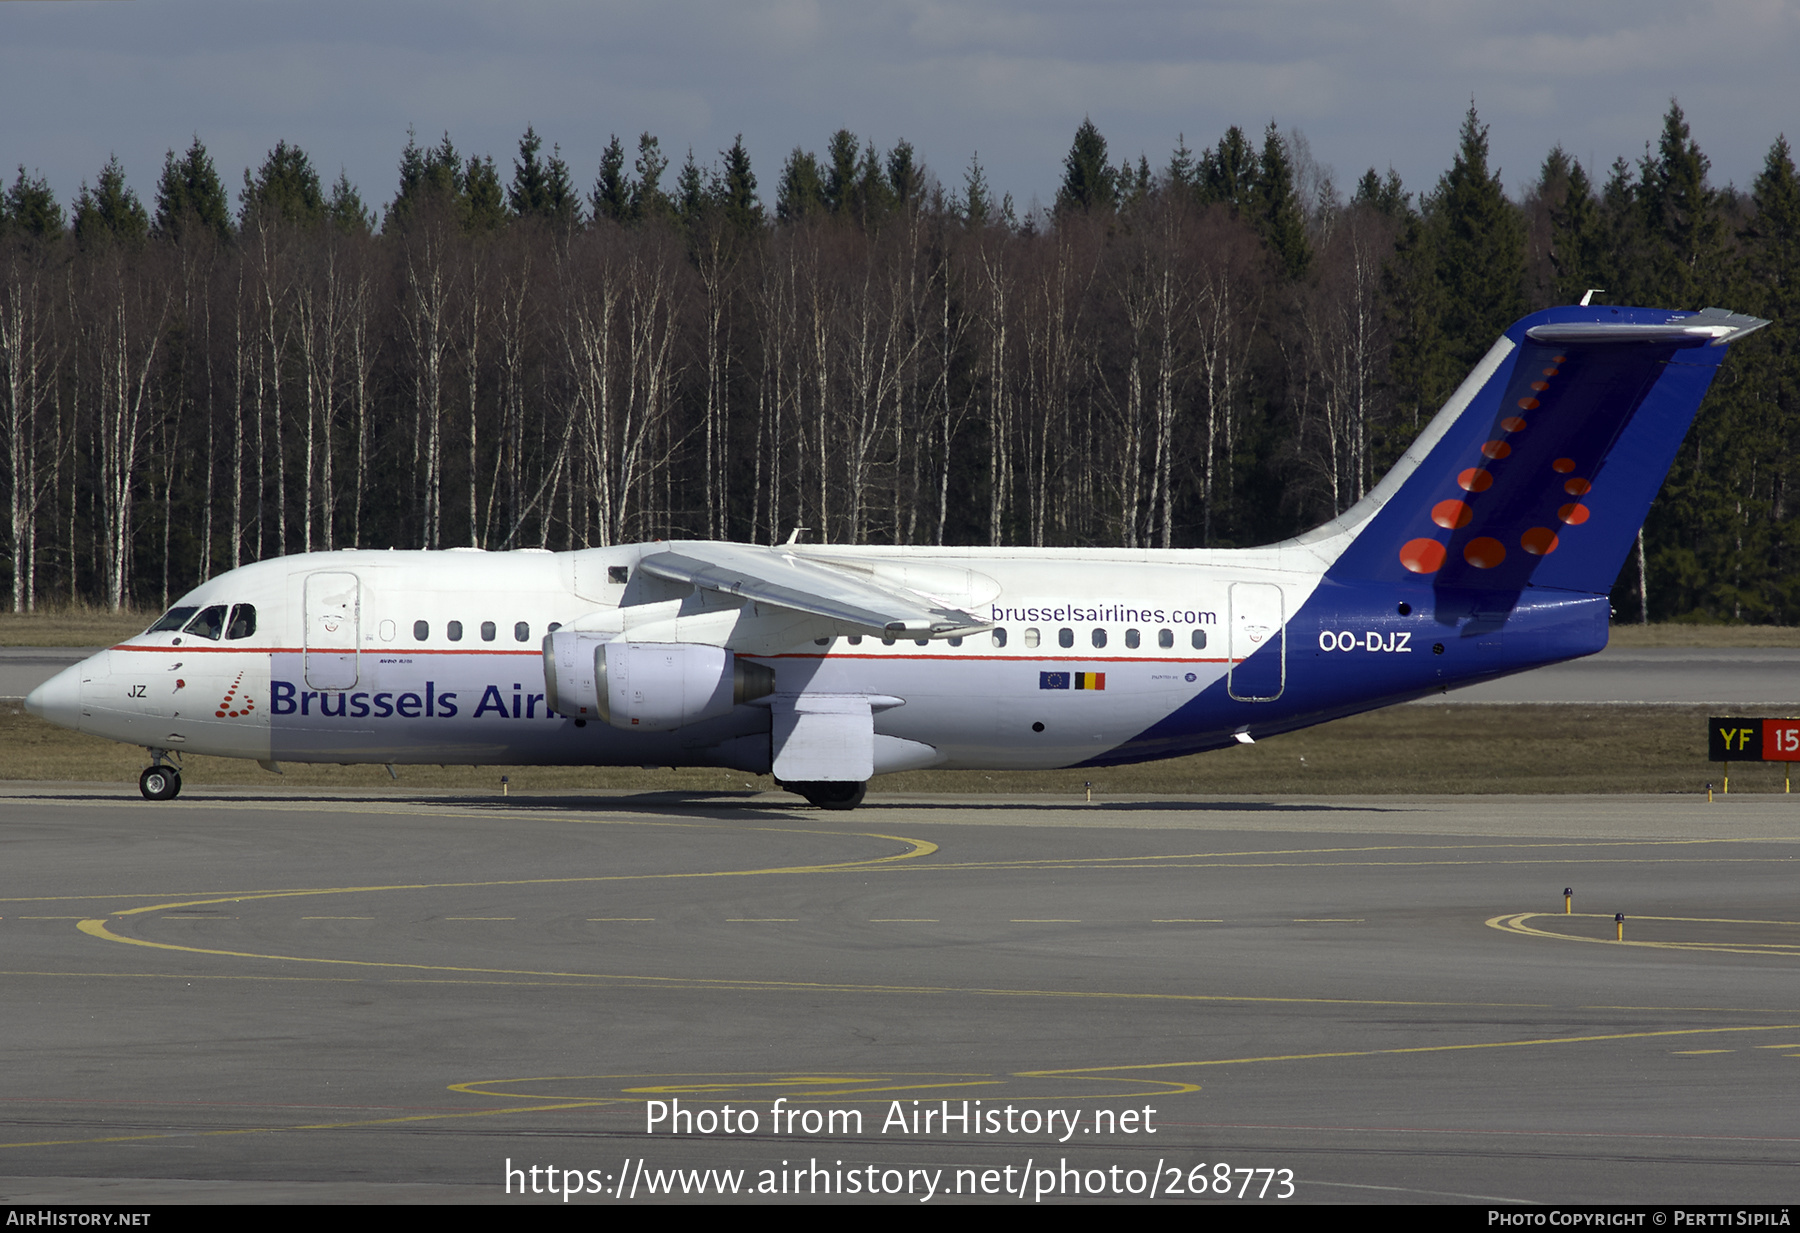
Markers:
<point>160,782</point>
<point>830,795</point>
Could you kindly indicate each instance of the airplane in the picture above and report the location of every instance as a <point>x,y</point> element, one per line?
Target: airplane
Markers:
<point>1489,549</point>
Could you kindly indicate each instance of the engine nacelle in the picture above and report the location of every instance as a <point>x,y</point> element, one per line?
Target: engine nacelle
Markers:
<point>569,685</point>
<point>646,686</point>
<point>661,686</point>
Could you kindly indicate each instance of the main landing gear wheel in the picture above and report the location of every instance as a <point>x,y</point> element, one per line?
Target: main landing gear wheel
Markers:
<point>160,783</point>
<point>828,795</point>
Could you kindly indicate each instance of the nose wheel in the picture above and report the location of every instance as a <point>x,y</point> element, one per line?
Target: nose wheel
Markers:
<point>160,783</point>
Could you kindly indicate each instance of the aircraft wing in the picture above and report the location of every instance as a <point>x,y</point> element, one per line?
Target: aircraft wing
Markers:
<point>780,579</point>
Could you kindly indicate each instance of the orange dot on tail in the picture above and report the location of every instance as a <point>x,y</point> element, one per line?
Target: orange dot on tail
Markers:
<point>1549,372</point>
<point>1451,514</point>
<point>220,714</point>
<point>1539,541</point>
<point>1529,404</point>
<point>1513,423</point>
<point>1422,556</point>
<point>1577,487</point>
<point>1559,359</point>
<point>1475,479</point>
<point>1496,449</point>
<point>1484,553</point>
<point>1574,514</point>
<point>1563,465</point>
<point>1540,386</point>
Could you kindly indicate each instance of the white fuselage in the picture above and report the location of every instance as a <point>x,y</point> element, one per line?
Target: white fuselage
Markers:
<point>368,656</point>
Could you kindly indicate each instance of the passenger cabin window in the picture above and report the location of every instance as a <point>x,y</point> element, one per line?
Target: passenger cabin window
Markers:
<point>1031,637</point>
<point>1199,639</point>
<point>1131,639</point>
<point>522,631</point>
<point>957,641</point>
<point>243,622</point>
<point>421,630</point>
<point>855,639</point>
<point>999,637</point>
<point>618,574</point>
<point>1099,638</point>
<point>210,624</point>
<point>174,618</point>
<point>453,631</point>
<point>1165,638</point>
<point>487,631</point>
<point>1065,637</point>
<point>555,625</point>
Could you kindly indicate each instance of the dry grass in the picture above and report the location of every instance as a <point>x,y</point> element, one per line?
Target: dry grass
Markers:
<point>1407,749</point>
<point>1676,633</point>
<point>77,626</point>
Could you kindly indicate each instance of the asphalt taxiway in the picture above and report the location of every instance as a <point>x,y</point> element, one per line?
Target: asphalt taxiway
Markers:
<point>267,995</point>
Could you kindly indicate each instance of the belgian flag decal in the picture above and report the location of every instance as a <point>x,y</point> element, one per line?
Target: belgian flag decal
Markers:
<point>1071,680</point>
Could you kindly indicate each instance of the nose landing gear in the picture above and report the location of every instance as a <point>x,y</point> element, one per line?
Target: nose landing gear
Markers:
<point>160,782</point>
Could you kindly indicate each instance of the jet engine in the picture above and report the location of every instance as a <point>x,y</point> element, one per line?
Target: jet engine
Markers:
<point>647,686</point>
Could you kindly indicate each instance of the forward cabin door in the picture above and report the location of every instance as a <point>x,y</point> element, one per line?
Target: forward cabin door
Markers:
<point>333,629</point>
<point>1258,652</point>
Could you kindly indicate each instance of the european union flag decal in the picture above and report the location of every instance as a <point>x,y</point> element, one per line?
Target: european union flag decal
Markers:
<point>1053,680</point>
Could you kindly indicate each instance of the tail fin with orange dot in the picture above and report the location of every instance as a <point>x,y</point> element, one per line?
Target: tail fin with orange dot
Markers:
<point>1541,469</point>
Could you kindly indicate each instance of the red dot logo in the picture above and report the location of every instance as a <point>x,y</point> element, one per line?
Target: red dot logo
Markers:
<point>1562,466</point>
<point>1540,386</point>
<point>1539,541</point>
<point>1422,556</point>
<point>1451,515</point>
<point>1529,404</point>
<point>1496,449</point>
<point>1574,514</point>
<point>1513,423</point>
<point>225,711</point>
<point>1475,479</point>
<point>1484,552</point>
<point>1577,487</point>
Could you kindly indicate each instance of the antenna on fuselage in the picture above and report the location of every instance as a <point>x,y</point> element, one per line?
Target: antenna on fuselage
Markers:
<point>1591,293</point>
<point>794,535</point>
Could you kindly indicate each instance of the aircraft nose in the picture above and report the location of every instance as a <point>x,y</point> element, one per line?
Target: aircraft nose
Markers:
<point>59,698</point>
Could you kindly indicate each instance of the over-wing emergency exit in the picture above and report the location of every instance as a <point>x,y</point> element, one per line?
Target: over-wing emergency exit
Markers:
<point>1489,549</point>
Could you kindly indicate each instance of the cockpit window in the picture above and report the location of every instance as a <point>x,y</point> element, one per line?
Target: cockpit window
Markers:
<point>243,622</point>
<point>210,624</point>
<point>174,618</point>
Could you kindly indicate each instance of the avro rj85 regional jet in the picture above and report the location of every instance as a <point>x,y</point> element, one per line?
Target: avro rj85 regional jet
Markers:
<point>1489,549</point>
